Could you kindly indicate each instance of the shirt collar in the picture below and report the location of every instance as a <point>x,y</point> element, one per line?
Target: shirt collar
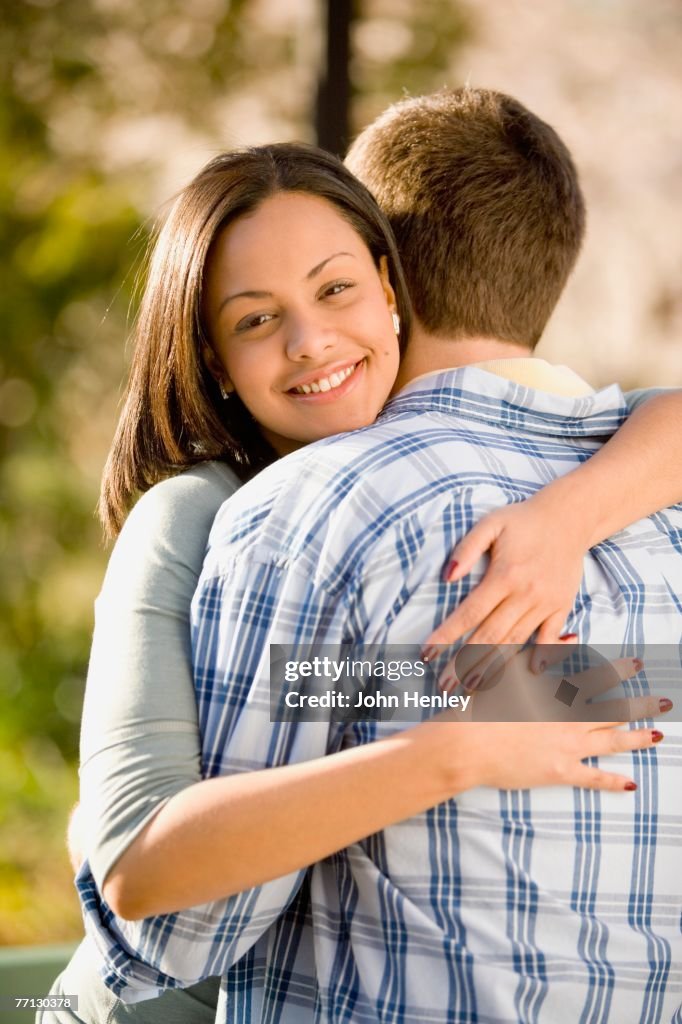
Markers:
<point>539,374</point>
<point>474,393</point>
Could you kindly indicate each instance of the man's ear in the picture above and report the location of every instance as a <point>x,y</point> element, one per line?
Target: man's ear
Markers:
<point>386,284</point>
<point>216,369</point>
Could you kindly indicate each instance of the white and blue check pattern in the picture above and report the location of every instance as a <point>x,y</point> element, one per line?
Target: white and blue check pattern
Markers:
<point>549,906</point>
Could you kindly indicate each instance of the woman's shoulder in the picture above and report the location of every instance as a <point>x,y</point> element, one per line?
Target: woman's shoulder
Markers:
<point>207,483</point>
<point>172,520</point>
<point>189,497</point>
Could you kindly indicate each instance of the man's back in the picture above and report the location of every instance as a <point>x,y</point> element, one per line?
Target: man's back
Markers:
<point>499,905</point>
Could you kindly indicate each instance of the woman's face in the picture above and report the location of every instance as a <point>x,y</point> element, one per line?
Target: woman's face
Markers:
<point>300,320</point>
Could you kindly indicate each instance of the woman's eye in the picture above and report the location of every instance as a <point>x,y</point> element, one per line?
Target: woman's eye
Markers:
<point>256,320</point>
<point>337,288</point>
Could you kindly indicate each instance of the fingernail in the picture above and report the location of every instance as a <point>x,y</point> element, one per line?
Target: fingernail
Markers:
<point>638,663</point>
<point>471,684</point>
<point>428,654</point>
<point>569,636</point>
<point>664,704</point>
<point>542,666</point>
<point>449,569</point>
<point>447,682</point>
<point>630,786</point>
<point>656,736</point>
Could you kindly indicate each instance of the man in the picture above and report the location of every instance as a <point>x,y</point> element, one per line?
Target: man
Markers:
<point>502,906</point>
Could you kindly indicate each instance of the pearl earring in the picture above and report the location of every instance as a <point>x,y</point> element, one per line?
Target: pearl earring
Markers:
<point>396,323</point>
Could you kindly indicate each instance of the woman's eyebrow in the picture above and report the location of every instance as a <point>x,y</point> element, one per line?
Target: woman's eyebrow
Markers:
<point>242,295</point>
<point>320,266</point>
<point>266,295</point>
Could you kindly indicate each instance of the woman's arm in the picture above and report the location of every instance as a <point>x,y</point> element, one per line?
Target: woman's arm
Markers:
<point>537,546</point>
<point>139,736</point>
<point>229,834</point>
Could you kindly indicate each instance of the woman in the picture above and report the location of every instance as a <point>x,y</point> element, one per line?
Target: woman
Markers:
<point>208,328</point>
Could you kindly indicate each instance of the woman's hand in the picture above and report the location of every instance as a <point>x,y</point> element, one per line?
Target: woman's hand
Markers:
<point>505,689</point>
<point>536,565</point>
<point>537,546</point>
<point>522,755</point>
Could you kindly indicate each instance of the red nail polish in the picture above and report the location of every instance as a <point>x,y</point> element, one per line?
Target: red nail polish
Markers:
<point>665,705</point>
<point>638,663</point>
<point>656,736</point>
<point>450,567</point>
<point>471,684</point>
<point>569,636</point>
<point>630,786</point>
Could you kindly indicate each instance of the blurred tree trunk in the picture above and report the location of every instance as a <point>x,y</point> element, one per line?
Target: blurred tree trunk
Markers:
<point>332,106</point>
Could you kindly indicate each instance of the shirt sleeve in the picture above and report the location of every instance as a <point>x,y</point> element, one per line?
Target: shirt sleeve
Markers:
<point>236,616</point>
<point>139,737</point>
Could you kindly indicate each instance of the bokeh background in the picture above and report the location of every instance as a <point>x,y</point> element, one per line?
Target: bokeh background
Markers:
<point>106,108</point>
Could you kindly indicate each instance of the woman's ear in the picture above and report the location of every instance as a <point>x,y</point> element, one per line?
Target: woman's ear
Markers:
<point>217,370</point>
<point>386,284</point>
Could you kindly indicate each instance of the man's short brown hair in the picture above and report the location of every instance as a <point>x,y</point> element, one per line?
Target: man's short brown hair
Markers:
<point>486,206</point>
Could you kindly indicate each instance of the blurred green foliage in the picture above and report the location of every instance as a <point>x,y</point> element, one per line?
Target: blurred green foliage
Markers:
<point>78,79</point>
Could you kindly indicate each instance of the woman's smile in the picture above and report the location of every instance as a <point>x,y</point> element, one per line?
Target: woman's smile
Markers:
<point>329,384</point>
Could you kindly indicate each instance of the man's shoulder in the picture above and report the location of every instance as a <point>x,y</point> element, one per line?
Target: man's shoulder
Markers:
<point>302,485</point>
<point>341,495</point>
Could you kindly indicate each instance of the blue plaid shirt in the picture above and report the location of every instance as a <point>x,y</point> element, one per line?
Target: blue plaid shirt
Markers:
<point>551,905</point>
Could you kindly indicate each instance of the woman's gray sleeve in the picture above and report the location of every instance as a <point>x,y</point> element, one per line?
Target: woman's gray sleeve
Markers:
<point>139,736</point>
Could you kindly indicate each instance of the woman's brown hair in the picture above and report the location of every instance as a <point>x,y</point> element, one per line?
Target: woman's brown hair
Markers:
<point>173,415</point>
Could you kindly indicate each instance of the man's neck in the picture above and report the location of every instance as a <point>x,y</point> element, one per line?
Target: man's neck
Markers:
<point>427,353</point>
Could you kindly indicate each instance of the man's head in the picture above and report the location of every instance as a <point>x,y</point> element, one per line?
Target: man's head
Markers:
<point>486,206</point>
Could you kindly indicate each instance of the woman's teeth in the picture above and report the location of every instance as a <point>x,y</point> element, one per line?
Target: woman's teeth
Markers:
<point>325,383</point>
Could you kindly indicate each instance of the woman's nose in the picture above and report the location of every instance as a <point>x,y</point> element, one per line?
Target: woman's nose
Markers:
<point>308,337</point>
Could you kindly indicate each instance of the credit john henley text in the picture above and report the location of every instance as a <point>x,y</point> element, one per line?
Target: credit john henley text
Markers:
<point>337,699</point>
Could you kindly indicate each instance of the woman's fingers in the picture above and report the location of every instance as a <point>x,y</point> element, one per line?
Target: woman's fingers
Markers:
<point>495,613</point>
<point>472,611</point>
<point>606,741</point>
<point>465,554</point>
<point>603,742</point>
<point>550,631</point>
<point>511,623</point>
<point>487,667</point>
<point>586,777</point>
<point>524,755</point>
<point>600,678</point>
<point>550,647</point>
<point>467,666</point>
<point>627,709</point>
<point>543,657</point>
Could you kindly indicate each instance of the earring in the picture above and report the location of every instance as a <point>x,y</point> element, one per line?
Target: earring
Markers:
<point>224,393</point>
<point>396,323</point>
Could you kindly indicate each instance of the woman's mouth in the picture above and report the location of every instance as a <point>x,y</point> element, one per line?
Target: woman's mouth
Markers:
<point>331,382</point>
